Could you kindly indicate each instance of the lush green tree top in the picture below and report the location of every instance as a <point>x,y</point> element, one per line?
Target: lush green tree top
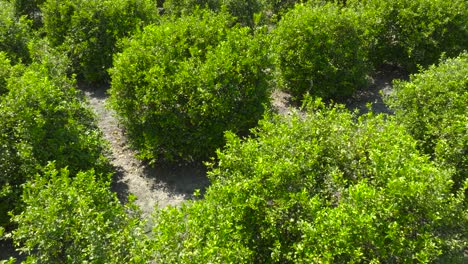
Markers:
<point>15,33</point>
<point>318,187</point>
<point>177,86</point>
<point>43,119</point>
<point>319,49</point>
<point>88,30</point>
<point>414,32</point>
<point>433,107</point>
<point>75,219</point>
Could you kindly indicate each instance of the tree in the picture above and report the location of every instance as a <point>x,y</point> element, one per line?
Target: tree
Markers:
<point>15,33</point>
<point>318,50</point>
<point>432,106</point>
<point>43,119</point>
<point>413,32</point>
<point>87,31</point>
<point>321,186</point>
<point>177,86</point>
<point>76,219</point>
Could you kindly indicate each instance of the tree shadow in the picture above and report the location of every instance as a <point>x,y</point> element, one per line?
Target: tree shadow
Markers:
<point>119,186</point>
<point>381,85</point>
<point>179,179</point>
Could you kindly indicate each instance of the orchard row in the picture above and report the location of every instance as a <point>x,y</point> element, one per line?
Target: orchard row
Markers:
<point>190,83</point>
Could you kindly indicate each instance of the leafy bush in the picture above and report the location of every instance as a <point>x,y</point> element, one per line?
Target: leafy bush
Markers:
<point>15,33</point>
<point>318,50</point>
<point>318,187</point>
<point>244,11</point>
<point>433,107</point>
<point>43,120</point>
<point>5,68</point>
<point>179,85</point>
<point>279,7</point>
<point>414,32</point>
<point>88,30</point>
<point>75,219</point>
<point>31,9</point>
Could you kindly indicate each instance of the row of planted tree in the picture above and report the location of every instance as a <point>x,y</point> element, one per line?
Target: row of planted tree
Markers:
<point>189,77</point>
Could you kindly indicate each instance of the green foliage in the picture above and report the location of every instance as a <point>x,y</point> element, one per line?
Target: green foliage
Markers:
<point>29,8</point>
<point>179,85</point>
<point>15,33</point>
<point>279,7</point>
<point>318,187</point>
<point>53,62</point>
<point>87,30</point>
<point>433,107</point>
<point>5,68</point>
<point>414,32</point>
<point>75,219</point>
<point>244,11</point>
<point>318,50</point>
<point>43,120</point>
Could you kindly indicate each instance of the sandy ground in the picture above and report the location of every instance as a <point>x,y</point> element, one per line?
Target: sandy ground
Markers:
<point>153,186</point>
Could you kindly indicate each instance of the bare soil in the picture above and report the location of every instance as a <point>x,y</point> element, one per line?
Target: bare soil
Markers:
<point>159,186</point>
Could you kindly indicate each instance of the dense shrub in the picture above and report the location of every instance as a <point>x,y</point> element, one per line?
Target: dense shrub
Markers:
<point>75,219</point>
<point>43,120</point>
<point>15,33</point>
<point>318,187</point>
<point>5,68</point>
<point>318,50</point>
<point>244,11</point>
<point>275,9</point>
<point>30,9</point>
<point>279,7</point>
<point>88,30</point>
<point>179,85</point>
<point>433,106</point>
<point>414,32</point>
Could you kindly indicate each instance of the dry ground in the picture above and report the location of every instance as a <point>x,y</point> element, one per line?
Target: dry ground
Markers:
<point>153,186</point>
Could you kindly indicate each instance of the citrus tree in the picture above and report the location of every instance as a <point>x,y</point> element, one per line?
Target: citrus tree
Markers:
<point>318,49</point>
<point>76,219</point>
<point>43,119</point>
<point>15,33</point>
<point>433,107</point>
<point>177,86</point>
<point>320,187</point>
<point>88,30</point>
<point>410,33</point>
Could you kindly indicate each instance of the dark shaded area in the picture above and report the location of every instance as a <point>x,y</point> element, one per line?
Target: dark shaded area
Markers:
<point>379,86</point>
<point>119,186</point>
<point>7,250</point>
<point>182,179</point>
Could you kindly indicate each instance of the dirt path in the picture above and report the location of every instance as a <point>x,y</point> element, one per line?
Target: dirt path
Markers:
<point>162,186</point>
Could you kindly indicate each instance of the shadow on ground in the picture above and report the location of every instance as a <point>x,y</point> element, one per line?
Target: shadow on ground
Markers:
<point>380,85</point>
<point>179,182</point>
